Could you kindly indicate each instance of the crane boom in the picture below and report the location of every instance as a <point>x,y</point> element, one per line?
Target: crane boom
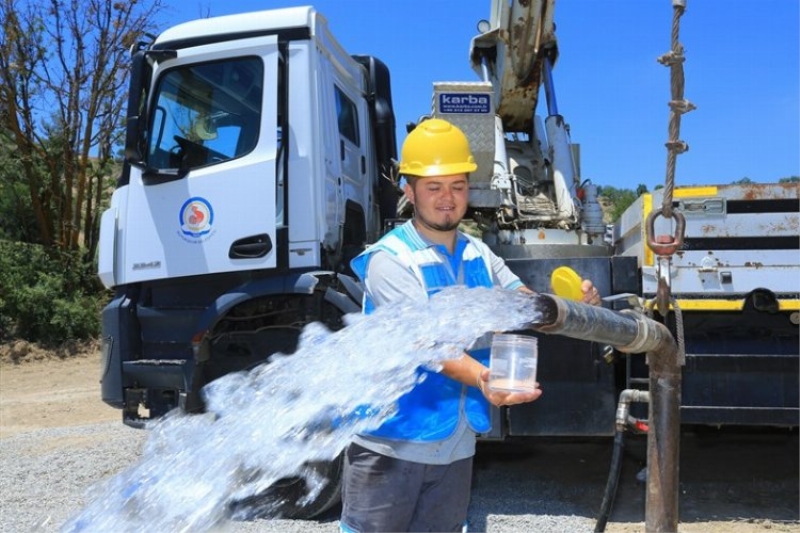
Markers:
<point>511,54</point>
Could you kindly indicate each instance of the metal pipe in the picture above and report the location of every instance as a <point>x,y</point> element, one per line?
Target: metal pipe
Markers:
<point>663,441</point>
<point>549,88</point>
<point>626,398</point>
<point>485,69</point>
<point>634,333</point>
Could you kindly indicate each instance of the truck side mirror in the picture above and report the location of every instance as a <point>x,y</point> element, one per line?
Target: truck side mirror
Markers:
<point>133,152</point>
<point>134,129</point>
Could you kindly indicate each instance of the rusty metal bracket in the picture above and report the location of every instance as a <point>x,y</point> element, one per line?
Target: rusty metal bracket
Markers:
<point>664,291</point>
<point>665,244</point>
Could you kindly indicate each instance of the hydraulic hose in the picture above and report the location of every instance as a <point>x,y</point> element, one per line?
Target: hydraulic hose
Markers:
<point>623,417</point>
<point>612,482</point>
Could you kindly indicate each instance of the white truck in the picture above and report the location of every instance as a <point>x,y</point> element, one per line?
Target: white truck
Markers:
<point>255,157</point>
<point>259,159</point>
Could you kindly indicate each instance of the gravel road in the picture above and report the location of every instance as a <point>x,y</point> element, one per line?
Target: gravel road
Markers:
<point>57,440</point>
<point>554,486</point>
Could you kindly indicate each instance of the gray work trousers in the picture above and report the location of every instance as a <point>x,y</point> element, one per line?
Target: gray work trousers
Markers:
<point>382,494</point>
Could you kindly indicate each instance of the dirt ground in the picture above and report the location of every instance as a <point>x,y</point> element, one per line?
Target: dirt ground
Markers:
<point>44,389</point>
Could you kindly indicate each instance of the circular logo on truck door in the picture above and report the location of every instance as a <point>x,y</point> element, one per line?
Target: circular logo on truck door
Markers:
<point>196,217</point>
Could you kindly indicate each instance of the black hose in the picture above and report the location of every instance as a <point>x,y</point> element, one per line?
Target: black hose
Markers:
<point>613,480</point>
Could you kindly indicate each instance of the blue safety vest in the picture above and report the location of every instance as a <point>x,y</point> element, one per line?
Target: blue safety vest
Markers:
<point>430,411</point>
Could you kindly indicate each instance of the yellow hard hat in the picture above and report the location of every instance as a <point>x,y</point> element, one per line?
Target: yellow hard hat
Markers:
<point>436,148</point>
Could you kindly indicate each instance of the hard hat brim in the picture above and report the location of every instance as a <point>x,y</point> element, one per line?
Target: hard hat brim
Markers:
<point>428,171</point>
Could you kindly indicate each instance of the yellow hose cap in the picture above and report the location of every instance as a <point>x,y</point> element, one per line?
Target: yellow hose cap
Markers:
<point>566,283</point>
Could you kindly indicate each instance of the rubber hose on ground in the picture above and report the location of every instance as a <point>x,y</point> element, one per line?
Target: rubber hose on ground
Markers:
<point>611,484</point>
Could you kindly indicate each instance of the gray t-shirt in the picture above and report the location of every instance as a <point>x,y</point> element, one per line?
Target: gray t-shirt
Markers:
<point>389,281</point>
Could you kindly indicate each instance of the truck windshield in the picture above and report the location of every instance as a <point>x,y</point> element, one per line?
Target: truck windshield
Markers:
<point>205,114</point>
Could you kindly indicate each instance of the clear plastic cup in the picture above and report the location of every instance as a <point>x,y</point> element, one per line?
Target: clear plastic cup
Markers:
<point>512,364</point>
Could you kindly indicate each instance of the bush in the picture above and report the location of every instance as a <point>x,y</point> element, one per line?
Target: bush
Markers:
<point>46,295</point>
<point>619,199</point>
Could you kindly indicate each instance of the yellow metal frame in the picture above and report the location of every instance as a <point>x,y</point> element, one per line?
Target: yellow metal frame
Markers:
<point>729,305</point>
<point>688,192</point>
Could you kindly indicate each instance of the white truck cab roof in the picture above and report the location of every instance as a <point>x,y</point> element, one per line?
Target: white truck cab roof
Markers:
<point>242,23</point>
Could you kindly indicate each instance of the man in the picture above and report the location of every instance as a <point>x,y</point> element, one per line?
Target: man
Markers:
<point>414,472</point>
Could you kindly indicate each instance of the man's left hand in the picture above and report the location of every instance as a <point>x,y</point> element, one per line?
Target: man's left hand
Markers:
<point>591,295</point>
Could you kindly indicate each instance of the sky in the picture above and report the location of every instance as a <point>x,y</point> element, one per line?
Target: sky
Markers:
<point>741,71</point>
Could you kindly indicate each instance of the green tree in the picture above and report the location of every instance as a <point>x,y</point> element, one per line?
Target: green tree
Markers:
<point>63,80</point>
<point>63,84</point>
<point>789,179</point>
<point>17,222</point>
<point>619,199</point>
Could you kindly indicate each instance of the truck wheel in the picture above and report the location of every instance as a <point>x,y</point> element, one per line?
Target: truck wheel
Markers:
<point>285,499</point>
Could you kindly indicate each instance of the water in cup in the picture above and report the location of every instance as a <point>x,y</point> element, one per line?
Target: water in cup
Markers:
<point>512,366</point>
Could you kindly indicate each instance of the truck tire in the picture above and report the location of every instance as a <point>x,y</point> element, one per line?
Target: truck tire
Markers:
<point>257,340</point>
<point>285,498</point>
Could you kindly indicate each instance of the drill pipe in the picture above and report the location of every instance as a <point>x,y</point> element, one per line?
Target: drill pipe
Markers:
<point>632,332</point>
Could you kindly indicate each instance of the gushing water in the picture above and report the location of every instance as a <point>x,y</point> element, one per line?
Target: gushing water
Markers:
<point>270,423</point>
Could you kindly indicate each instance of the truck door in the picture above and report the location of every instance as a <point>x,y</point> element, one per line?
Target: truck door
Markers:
<point>206,201</point>
<point>356,191</point>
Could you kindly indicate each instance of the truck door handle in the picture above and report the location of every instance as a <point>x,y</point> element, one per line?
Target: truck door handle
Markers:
<point>251,247</point>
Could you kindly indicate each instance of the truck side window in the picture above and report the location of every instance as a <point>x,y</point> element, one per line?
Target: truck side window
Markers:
<point>348,117</point>
<point>206,113</point>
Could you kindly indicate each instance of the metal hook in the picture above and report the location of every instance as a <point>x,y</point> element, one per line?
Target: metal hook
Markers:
<point>665,244</point>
